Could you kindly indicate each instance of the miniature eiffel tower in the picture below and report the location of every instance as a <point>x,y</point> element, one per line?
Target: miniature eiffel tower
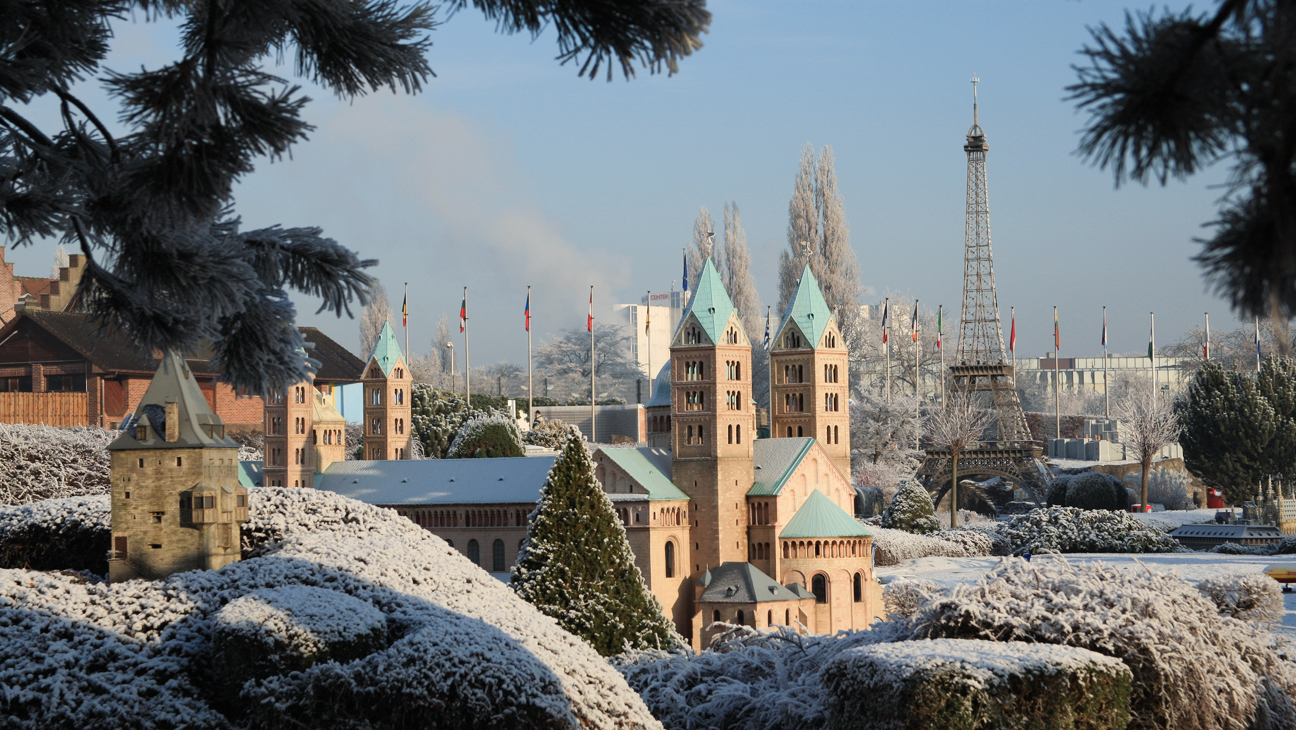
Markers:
<point>980,365</point>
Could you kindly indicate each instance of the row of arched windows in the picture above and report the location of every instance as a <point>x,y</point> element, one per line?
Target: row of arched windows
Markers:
<point>735,433</point>
<point>672,516</point>
<point>822,548</point>
<point>758,513</point>
<point>658,424</point>
<point>733,370</point>
<point>375,427</point>
<point>793,402</point>
<point>832,434</point>
<point>733,400</point>
<point>469,518</point>
<point>693,336</point>
<point>701,435</point>
<point>731,336</point>
<point>299,394</point>
<point>832,402</point>
<point>694,400</point>
<point>830,340</point>
<point>798,431</point>
<point>299,456</point>
<point>497,554</point>
<point>818,586</point>
<point>758,551</point>
<point>693,370</point>
<point>792,339</point>
<point>276,426</point>
<point>299,425</point>
<point>830,373</point>
<point>399,425</point>
<point>331,436</point>
<point>793,374</point>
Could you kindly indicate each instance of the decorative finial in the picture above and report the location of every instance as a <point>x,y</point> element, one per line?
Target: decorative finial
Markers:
<point>975,81</point>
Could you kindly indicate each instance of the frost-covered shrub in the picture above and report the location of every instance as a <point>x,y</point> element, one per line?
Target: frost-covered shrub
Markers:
<point>487,436</point>
<point>1250,597</point>
<point>894,546</point>
<point>957,683</point>
<point>1072,530</point>
<point>1286,546</point>
<point>464,652</point>
<point>975,543</point>
<point>549,434</point>
<point>1096,490</point>
<point>1165,487</point>
<point>251,445</point>
<point>57,534</point>
<point>768,680</point>
<point>1192,668</point>
<point>911,510</point>
<point>436,417</point>
<point>1235,548</point>
<point>280,630</point>
<point>46,462</point>
<point>902,598</point>
<point>1057,490</point>
<point>966,518</point>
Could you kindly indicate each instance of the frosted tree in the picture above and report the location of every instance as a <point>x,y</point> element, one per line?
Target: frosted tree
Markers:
<point>956,428</point>
<point>882,430</point>
<point>1149,425</point>
<point>576,564</point>
<point>911,510</point>
<point>60,261</point>
<point>802,230</point>
<point>565,359</point>
<point>703,245</point>
<point>742,291</point>
<point>375,313</point>
<point>445,355</point>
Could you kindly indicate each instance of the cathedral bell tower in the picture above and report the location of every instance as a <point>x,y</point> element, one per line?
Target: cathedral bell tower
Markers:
<point>713,421</point>
<point>387,406</point>
<point>809,382</point>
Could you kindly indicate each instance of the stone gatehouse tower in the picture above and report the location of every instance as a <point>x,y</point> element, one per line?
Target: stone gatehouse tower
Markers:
<point>176,499</point>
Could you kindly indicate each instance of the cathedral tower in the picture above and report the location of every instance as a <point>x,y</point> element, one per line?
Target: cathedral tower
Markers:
<point>387,409</point>
<point>808,374</point>
<point>328,433</point>
<point>287,458</point>
<point>713,421</point>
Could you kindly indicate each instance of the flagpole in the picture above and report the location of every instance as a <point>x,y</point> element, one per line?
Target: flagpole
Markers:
<point>1106,394</point>
<point>530,369</point>
<point>940,345</point>
<point>1012,337</point>
<point>1206,344</point>
<point>917,397</point>
<point>591,330</point>
<point>467,362</point>
<point>1152,353</point>
<point>1057,382</point>
<point>886,346</point>
<point>405,320</point>
<point>1257,340</point>
<point>648,331</point>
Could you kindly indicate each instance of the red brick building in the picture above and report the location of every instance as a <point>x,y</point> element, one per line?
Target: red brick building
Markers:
<point>57,369</point>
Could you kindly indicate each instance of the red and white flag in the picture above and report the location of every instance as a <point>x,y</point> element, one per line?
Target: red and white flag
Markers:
<point>913,323</point>
<point>589,323</point>
<point>886,309</point>
<point>1012,333</point>
<point>463,311</point>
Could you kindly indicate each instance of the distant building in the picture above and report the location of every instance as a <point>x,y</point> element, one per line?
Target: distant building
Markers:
<point>37,293</point>
<point>663,318</point>
<point>1086,373</point>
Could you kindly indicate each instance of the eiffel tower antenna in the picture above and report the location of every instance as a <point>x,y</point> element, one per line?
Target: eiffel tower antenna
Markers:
<point>980,365</point>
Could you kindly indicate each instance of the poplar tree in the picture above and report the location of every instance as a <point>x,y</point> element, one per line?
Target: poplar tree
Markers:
<point>375,314</point>
<point>702,247</point>
<point>576,565</point>
<point>742,292</point>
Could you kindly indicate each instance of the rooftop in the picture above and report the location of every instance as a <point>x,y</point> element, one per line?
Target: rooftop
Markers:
<point>775,460</point>
<point>710,305</point>
<point>439,481</point>
<point>743,583</point>
<point>387,350</point>
<point>650,467</point>
<point>808,310</point>
<point>821,517</point>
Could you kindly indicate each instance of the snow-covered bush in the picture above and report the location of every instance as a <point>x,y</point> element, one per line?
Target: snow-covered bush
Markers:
<point>46,462</point>
<point>894,546</point>
<point>1072,530</point>
<point>966,517</point>
<point>1057,490</point>
<point>1236,548</point>
<point>1192,668</point>
<point>1250,597</point>
<point>911,510</point>
<point>1165,487</point>
<point>464,652</point>
<point>280,630</point>
<point>487,436</point>
<point>436,417</point>
<point>1088,490</point>
<point>903,597</point>
<point>57,534</point>
<point>549,434</point>
<point>957,683</point>
<point>251,445</point>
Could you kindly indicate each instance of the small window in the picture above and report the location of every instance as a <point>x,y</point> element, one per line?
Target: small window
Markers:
<point>141,463</point>
<point>157,517</point>
<point>155,546</point>
<point>179,461</point>
<point>141,434</point>
<point>127,495</point>
<point>670,560</point>
<point>242,500</point>
<point>715,616</point>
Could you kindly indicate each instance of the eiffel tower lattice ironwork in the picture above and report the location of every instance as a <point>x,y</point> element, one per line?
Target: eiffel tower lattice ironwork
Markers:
<point>980,365</point>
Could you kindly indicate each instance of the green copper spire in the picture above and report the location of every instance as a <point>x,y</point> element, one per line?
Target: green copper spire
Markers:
<point>809,310</point>
<point>710,304</point>
<point>387,351</point>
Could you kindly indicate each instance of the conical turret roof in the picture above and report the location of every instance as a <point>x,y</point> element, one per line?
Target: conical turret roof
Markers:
<point>710,304</point>
<point>809,310</point>
<point>198,426</point>
<point>387,350</point>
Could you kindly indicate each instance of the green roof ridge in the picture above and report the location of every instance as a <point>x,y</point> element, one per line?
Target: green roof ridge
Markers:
<point>642,470</point>
<point>761,488</point>
<point>808,309</point>
<point>387,350</point>
<point>710,303</point>
<point>821,517</point>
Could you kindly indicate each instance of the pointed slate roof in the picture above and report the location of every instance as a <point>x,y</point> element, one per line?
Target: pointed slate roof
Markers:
<point>743,583</point>
<point>821,517</point>
<point>387,350</point>
<point>808,309</point>
<point>198,426</point>
<point>774,460</point>
<point>710,304</point>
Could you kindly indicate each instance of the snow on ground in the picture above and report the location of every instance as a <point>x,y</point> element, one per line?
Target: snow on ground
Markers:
<point>1192,567</point>
<point>1082,464</point>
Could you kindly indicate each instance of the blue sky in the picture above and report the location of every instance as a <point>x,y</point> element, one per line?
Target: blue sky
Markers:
<point>508,170</point>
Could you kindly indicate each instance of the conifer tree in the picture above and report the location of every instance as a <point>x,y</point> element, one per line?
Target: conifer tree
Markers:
<point>911,510</point>
<point>1227,427</point>
<point>576,565</point>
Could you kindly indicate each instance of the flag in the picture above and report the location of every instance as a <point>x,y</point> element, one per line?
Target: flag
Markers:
<point>1057,334</point>
<point>1206,342</point>
<point>886,309</point>
<point>767,328</point>
<point>686,271</point>
<point>1151,342</point>
<point>527,312</point>
<point>940,324</point>
<point>1012,334</point>
<point>1257,336</point>
<point>589,323</point>
<point>1104,338</point>
<point>405,311</point>
<point>463,311</point>
<point>913,323</point>
<point>648,314</point>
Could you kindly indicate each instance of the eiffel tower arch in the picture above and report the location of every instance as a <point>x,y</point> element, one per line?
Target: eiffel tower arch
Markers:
<point>979,365</point>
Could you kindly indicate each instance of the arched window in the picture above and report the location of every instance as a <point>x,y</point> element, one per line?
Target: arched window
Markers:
<point>859,587</point>
<point>741,618</point>
<point>819,587</point>
<point>715,615</point>
<point>789,432</point>
<point>670,560</point>
<point>785,551</point>
<point>836,435</point>
<point>787,617</point>
<point>769,618</point>
<point>497,557</point>
<point>738,433</point>
<point>798,431</point>
<point>731,433</point>
<point>474,552</point>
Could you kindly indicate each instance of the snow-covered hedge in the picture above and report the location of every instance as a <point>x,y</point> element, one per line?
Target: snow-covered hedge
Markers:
<point>1250,597</point>
<point>57,534</point>
<point>1192,668</point>
<point>487,435</point>
<point>464,652</point>
<point>1088,490</point>
<point>902,598</point>
<point>549,434</point>
<point>957,683</point>
<point>45,462</point>
<point>1073,530</point>
<point>894,546</point>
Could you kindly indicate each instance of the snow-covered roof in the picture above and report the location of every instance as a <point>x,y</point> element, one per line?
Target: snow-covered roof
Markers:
<point>775,460</point>
<point>743,583</point>
<point>650,468</point>
<point>809,310</point>
<point>661,393</point>
<point>821,517</point>
<point>439,481</point>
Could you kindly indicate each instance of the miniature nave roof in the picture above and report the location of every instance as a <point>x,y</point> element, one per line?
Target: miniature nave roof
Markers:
<point>508,480</point>
<point>650,468</point>
<point>821,517</point>
<point>809,310</point>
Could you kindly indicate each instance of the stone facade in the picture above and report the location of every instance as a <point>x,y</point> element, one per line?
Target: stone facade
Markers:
<point>388,407</point>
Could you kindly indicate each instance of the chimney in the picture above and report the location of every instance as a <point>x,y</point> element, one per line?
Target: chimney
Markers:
<point>172,421</point>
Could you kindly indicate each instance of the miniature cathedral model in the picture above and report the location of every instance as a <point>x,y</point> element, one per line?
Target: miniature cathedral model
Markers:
<point>176,499</point>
